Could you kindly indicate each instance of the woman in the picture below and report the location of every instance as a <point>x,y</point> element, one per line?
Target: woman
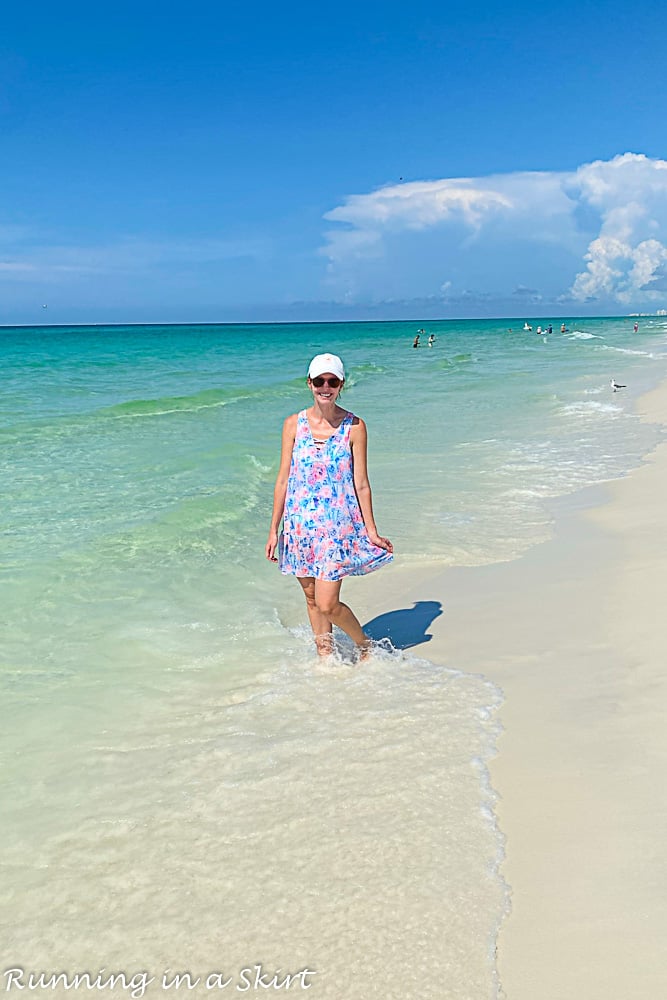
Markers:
<point>323,497</point>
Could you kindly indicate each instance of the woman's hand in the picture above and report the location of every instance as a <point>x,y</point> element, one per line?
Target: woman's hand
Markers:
<point>382,543</point>
<point>271,546</point>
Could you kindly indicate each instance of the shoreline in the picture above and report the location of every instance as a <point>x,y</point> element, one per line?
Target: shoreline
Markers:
<point>573,634</point>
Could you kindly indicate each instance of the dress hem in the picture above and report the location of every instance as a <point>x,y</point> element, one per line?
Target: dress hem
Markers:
<point>357,571</point>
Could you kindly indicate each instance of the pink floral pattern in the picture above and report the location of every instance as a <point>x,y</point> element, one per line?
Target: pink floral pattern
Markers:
<point>323,534</point>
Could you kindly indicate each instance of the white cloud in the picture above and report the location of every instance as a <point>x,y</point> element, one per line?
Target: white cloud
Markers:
<point>626,258</point>
<point>617,269</point>
<point>409,206</point>
<point>597,233</point>
<point>471,203</point>
<point>648,258</point>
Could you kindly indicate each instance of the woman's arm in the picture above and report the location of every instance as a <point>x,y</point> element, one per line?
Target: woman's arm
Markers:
<point>280,489</point>
<point>359,444</point>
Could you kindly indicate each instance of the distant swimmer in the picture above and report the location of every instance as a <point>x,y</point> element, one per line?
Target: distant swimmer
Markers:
<point>416,340</point>
<point>431,339</point>
<point>563,328</point>
<point>616,385</point>
<point>539,330</point>
<point>551,329</point>
<point>636,327</point>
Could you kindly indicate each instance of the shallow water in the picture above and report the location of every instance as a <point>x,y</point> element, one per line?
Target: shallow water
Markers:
<point>320,816</point>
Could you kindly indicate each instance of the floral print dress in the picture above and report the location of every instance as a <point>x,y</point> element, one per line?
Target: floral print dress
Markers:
<point>323,534</point>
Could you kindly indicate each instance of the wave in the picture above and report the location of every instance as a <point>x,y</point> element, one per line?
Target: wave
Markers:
<point>203,400</point>
<point>591,406</point>
<point>628,350</point>
<point>369,368</point>
<point>582,335</point>
<point>457,359</point>
<point>207,399</point>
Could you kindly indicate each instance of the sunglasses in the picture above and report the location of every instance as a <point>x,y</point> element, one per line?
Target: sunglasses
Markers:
<point>332,382</point>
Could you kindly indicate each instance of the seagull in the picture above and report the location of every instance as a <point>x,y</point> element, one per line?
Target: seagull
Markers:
<point>616,385</point>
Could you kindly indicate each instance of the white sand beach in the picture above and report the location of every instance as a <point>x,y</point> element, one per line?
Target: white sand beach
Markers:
<point>575,635</point>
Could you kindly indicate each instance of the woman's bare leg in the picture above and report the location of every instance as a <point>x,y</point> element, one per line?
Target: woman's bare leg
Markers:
<point>320,624</point>
<point>327,600</point>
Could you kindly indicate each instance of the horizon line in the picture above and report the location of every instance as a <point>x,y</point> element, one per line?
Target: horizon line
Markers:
<point>313,322</point>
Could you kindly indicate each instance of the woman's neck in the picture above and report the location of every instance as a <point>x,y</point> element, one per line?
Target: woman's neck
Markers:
<point>331,413</point>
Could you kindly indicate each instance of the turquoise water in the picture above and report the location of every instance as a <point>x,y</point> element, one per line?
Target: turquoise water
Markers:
<point>149,648</point>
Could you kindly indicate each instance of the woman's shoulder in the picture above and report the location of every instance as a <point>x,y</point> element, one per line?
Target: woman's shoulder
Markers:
<point>290,423</point>
<point>358,425</point>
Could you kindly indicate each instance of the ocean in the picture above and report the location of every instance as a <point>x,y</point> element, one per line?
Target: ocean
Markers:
<point>187,789</point>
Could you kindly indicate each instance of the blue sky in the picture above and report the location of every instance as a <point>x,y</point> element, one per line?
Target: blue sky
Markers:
<point>214,162</point>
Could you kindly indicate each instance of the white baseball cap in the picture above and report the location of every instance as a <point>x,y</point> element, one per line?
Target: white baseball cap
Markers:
<point>322,363</point>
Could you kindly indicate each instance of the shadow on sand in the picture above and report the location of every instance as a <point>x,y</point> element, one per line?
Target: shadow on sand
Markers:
<point>405,627</point>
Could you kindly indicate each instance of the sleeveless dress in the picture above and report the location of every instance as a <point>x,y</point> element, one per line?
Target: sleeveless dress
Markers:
<point>323,534</point>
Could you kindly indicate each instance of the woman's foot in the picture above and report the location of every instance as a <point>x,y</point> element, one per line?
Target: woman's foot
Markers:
<point>364,650</point>
<point>324,644</point>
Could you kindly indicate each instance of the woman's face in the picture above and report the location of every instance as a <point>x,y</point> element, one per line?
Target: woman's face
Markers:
<point>326,387</point>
